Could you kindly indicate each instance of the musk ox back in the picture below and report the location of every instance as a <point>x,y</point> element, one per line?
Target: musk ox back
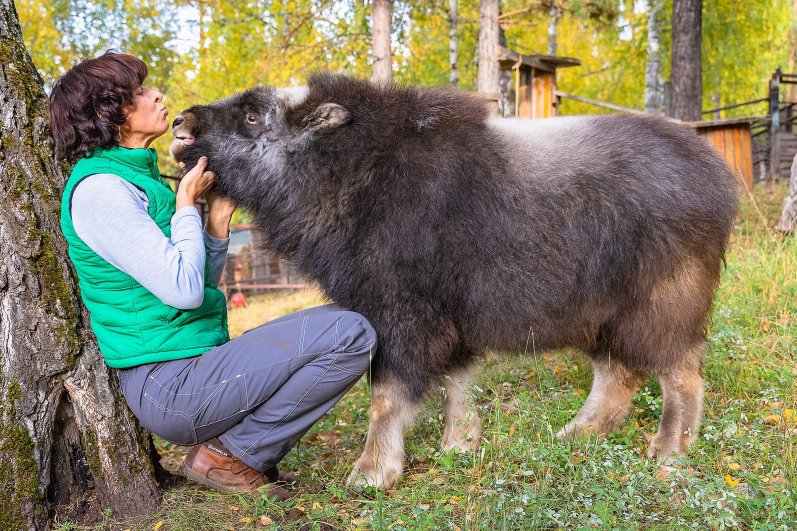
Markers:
<point>454,234</point>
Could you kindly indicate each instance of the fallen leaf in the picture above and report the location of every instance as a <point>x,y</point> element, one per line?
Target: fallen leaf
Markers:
<point>511,430</point>
<point>773,405</point>
<point>424,506</point>
<point>790,415</point>
<point>265,520</point>
<point>158,525</point>
<point>234,508</point>
<point>772,419</point>
<point>317,506</point>
<point>665,471</point>
<point>245,520</point>
<point>455,499</point>
<point>735,467</point>
<point>731,481</point>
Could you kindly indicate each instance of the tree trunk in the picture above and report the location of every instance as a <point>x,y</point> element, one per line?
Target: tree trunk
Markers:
<point>487,81</point>
<point>652,93</point>
<point>687,84</point>
<point>788,218</point>
<point>453,42</point>
<point>67,440</point>
<point>553,21</point>
<point>383,56</point>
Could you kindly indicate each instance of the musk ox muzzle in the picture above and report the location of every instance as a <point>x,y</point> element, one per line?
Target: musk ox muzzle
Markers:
<point>454,234</point>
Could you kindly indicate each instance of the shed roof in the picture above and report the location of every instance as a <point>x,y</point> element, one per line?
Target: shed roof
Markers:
<point>725,122</point>
<point>549,63</point>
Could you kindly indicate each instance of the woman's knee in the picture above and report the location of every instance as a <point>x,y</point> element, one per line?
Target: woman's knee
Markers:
<point>356,340</point>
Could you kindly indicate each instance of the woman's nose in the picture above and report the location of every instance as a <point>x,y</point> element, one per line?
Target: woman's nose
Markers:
<point>158,96</point>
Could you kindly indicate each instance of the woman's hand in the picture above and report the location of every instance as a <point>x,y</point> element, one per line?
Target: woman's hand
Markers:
<point>194,183</point>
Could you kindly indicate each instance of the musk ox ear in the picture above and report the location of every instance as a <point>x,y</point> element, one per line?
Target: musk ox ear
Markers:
<point>326,117</point>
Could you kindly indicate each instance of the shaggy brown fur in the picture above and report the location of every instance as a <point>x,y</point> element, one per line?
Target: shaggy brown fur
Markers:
<point>453,234</point>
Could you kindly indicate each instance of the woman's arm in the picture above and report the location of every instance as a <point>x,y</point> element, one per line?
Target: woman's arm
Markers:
<point>110,216</point>
<point>217,255</point>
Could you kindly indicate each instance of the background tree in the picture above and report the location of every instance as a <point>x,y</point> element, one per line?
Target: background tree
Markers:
<point>65,433</point>
<point>487,82</point>
<point>382,52</point>
<point>652,92</point>
<point>453,39</point>
<point>686,69</point>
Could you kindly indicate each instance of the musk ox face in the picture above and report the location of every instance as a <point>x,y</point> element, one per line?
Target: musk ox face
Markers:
<point>247,115</point>
<point>248,134</point>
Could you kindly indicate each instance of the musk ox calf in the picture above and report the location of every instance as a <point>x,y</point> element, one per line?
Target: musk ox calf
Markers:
<point>454,234</point>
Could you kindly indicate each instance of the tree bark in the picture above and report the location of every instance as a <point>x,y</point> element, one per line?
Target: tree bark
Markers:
<point>554,15</point>
<point>383,55</point>
<point>453,42</point>
<point>487,80</point>
<point>67,438</point>
<point>652,93</point>
<point>687,84</point>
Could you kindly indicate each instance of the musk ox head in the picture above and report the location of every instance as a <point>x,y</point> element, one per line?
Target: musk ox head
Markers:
<point>248,135</point>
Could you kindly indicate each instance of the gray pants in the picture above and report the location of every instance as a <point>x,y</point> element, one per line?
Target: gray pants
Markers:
<point>260,392</point>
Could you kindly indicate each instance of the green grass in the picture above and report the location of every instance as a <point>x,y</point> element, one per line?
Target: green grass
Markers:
<point>741,473</point>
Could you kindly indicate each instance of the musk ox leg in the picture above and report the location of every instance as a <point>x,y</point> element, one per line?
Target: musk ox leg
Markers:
<point>462,423</point>
<point>382,460</point>
<point>607,405</point>
<point>682,390</point>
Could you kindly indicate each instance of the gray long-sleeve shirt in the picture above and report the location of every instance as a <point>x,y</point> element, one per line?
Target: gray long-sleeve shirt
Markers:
<point>110,215</point>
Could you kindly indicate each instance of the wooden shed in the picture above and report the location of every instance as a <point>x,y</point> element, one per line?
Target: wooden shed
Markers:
<point>535,81</point>
<point>733,140</point>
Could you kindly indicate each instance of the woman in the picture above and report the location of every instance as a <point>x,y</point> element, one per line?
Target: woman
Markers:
<point>148,276</point>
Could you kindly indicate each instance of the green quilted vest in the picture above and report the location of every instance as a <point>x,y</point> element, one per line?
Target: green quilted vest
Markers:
<point>132,325</point>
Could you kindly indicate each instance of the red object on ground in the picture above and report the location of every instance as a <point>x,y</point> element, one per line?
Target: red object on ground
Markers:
<point>238,300</point>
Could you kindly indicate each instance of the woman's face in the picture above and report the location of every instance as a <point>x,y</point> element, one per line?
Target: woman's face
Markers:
<point>146,119</point>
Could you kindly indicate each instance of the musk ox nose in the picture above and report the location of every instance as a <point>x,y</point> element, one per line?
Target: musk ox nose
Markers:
<point>178,120</point>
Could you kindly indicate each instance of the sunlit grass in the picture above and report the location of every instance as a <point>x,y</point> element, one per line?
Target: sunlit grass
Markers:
<point>739,474</point>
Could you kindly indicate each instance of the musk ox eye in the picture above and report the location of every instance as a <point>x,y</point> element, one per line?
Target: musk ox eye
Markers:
<point>251,118</point>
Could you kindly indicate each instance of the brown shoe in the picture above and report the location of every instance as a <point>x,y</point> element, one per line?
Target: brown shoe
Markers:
<point>212,465</point>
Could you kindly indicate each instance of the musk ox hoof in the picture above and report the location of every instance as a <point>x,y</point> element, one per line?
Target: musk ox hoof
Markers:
<point>666,450</point>
<point>576,429</point>
<point>464,445</point>
<point>380,478</point>
<point>463,437</point>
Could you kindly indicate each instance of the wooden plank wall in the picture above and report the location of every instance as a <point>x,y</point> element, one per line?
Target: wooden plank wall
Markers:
<point>543,86</point>
<point>735,144</point>
<point>524,95</point>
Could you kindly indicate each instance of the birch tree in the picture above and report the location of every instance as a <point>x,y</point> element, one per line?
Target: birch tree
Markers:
<point>652,93</point>
<point>66,435</point>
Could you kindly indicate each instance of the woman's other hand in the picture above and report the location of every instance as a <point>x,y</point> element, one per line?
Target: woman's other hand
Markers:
<point>194,183</point>
<point>220,210</point>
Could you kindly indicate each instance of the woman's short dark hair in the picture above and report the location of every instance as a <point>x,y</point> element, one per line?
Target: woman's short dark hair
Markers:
<point>87,103</point>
